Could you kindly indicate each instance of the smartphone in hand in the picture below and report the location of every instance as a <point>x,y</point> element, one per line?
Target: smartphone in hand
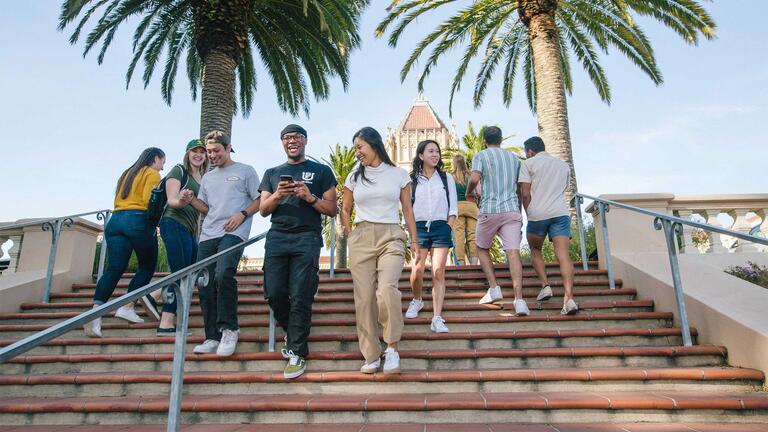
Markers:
<point>286,178</point>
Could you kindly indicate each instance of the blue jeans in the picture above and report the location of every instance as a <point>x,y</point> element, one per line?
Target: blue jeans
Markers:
<point>127,231</point>
<point>181,248</point>
<point>290,283</point>
<point>218,299</point>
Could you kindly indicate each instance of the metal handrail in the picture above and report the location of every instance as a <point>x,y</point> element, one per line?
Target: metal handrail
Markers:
<point>54,225</point>
<point>196,272</point>
<point>671,226</point>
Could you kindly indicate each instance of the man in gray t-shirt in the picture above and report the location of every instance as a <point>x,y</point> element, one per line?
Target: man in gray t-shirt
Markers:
<point>229,196</point>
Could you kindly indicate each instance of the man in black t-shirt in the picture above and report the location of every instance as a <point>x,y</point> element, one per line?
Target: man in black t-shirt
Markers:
<point>295,193</point>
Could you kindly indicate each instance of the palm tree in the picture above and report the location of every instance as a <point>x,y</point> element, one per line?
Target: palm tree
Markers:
<point>538,38</point>
<point>342,162</point>
<point>301,43</point>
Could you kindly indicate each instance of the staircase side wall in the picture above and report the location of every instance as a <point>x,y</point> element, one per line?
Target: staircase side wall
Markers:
<point>726,310</point>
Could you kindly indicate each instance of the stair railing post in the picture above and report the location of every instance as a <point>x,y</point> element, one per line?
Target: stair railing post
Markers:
<point>670,230</point>
<point>55,227</point>
<point>272,329</point>
<point>578,200</point>
<point>183,292</point>
<point>333,246</point>
<point>603,208</point>
<point>105,215</point>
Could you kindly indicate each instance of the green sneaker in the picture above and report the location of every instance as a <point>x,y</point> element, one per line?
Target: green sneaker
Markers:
<point>295,367</point>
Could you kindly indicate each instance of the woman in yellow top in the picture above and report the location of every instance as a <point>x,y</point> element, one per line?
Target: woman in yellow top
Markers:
<point>466,224</point>
<point>128,231</point>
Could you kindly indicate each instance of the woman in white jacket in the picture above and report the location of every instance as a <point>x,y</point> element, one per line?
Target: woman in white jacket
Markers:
<point>435,210</point>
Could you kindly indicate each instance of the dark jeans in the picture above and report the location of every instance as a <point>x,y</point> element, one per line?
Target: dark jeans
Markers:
<point>127,231</point>
<point>290,283</point>
<point>181,248</point>
<point>218,299</point>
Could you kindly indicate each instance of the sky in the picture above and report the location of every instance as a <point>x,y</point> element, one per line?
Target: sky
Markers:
<point>71,126</point>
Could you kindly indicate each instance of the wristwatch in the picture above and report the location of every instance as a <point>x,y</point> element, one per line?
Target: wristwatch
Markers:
<point>244,213</point>
<point>315,201</point>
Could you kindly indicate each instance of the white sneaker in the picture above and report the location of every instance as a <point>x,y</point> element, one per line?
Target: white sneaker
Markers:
<point>521,308</point>
<point>413,308</point>
<point>391,361</point>
<point>370,368</point>
<point>493,295</point>
<point>569,308</point>
<point>93,328</point>
<point>228,343</point>
<point>544,294</point>
<point>207,347</point>
<point>129,314</point>
<point>438,325</point>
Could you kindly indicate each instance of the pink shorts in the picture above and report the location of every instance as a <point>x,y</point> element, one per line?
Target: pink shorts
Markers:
<point>509,226</point>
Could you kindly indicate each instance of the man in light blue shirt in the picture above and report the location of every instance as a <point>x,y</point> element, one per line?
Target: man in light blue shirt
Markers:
<point>498,170</point>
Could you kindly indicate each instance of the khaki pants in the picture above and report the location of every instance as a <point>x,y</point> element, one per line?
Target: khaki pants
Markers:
<point>376,258</point>
<point>464,230</point>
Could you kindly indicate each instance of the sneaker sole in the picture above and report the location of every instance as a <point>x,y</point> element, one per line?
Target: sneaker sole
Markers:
<point>440,331</point>
<point>392,371</point>
<point>129,320</point>
<point>293,375</point>
<point>547,297</point>
<point>203,352</point>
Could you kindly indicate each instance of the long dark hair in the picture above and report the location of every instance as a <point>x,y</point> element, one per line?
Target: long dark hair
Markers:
<point>146,158</point>
<point>460,170</point>
<point>372,137</point>
<point>418,164</point>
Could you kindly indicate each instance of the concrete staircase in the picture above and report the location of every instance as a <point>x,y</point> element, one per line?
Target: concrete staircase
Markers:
<point>618,365</point>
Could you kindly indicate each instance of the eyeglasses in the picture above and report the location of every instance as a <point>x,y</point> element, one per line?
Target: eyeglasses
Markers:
<point>295,137</point>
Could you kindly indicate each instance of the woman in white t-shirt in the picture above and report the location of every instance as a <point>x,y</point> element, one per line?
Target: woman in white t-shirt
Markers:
<point>378,189</point>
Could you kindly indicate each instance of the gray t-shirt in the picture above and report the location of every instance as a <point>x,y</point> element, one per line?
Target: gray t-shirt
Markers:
<point>228,191</point>
<point>499,169</point>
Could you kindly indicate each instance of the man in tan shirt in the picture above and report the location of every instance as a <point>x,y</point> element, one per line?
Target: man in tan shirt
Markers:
<point>543,180</point>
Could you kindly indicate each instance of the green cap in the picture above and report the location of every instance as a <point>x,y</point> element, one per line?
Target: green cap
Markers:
<point>195,143</point>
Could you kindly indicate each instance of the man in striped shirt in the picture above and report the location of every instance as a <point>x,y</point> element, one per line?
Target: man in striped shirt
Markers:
<point>498,170</point>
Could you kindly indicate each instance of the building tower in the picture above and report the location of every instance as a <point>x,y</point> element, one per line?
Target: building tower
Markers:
<point>419,124</point>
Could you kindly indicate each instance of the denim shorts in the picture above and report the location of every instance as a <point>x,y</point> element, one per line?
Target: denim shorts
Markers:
<point>553,227</point>
<point>438,235</point>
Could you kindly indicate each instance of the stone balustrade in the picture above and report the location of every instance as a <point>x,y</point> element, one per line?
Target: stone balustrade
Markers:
<point>748,212</point>
<point>16,237</point>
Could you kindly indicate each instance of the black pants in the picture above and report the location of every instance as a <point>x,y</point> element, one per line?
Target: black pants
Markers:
<point>290,283</point>
<point>218,299</point>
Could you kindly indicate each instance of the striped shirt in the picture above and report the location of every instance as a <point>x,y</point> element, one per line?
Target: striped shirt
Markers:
<point>499,169</point>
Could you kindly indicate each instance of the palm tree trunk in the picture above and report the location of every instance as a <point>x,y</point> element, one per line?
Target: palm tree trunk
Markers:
<point>218,93</point>
<point>551,104</point>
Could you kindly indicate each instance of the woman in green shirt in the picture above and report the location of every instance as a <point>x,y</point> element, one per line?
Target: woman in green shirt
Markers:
<point>179,224</point>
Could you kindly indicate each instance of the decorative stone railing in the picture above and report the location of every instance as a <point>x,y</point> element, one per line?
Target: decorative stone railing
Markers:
<point>748,212</point>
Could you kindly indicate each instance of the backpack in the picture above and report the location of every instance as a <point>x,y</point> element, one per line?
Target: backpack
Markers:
<point>443,178</point>
<point>158,199</point>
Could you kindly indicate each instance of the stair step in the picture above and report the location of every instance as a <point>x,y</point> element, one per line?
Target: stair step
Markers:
<point>449,309</point>
<point>639,356</point>
<point>414,427</point>
<point>114,327</point>
<point>344,342</point>
<point>147,383</point>
<point>480,407</point>
<point>587,294</point>
<point>345,284</point>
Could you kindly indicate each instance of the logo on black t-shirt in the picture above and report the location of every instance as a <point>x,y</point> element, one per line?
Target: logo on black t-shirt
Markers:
<point>307,177</point>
